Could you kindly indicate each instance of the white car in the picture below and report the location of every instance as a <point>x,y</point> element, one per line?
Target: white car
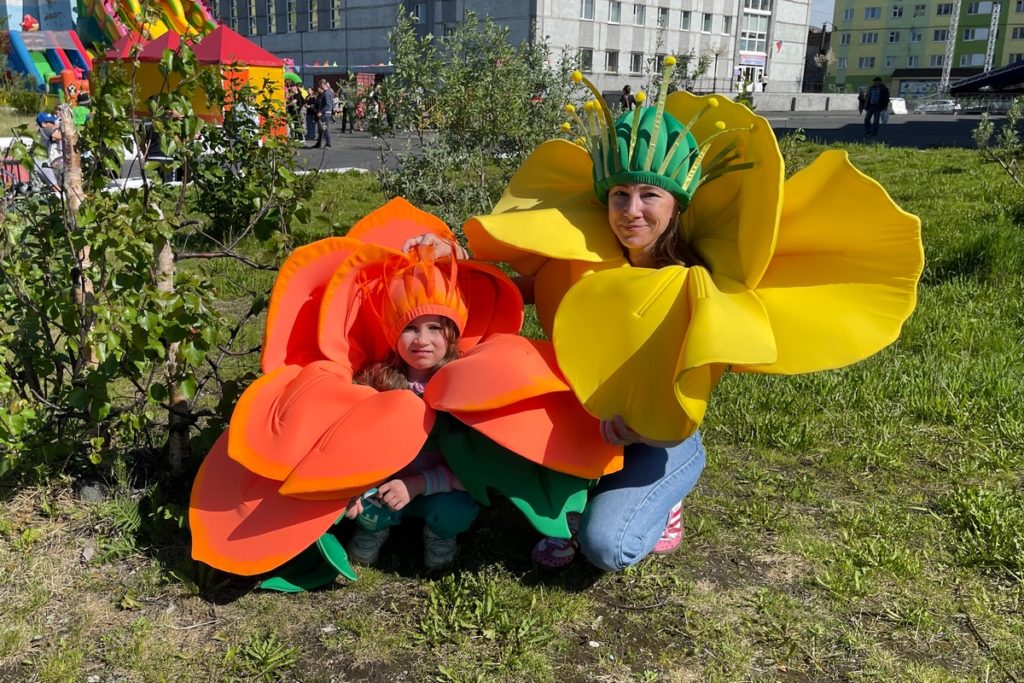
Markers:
<point>938,107</point>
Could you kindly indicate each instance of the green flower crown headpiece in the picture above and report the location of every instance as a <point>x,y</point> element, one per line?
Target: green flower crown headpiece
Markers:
<point>648,145</point>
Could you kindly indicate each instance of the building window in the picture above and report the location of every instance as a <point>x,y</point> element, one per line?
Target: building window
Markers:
<point>975,34</point>
<point>915,35</point>
<point>841,63</point>
<point>232,15</point>
<point>636,62</point>
<point>869,38</point>
<point>865,62</point>
<point>754,34</point>
<point>271,17</point>
<point>615,12</point>
<point>848,14</point>
<point>611,61</point>
<point>1018,33</point>
<point>586,59</point>
<point>587,9</point>
<point>979,8</point>
<point>944,8</point>
<point>334,7</point>
<point>872,12</point>
<point>252,17</point>
<point>1015,57</point>
<point>844,39</point>
<point>936,60</point>
<point>890,62</point>
<point>727,25</point>
<point>639,14</point>
<point>684,19</point>
<point>919,10</point>
<point>758,5</point>
<point>1020,6</point>
<point>314,15</point>
<point>663,17</point>
<point>894,36</point>
<point>914,60</point>
<point>705,25</point>
<point>976,59</point>
<point>897,11</point>
<point>419,13</point>
<point>940,35</point>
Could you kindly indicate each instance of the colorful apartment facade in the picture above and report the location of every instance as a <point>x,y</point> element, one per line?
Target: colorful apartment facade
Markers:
<point>904,41</point>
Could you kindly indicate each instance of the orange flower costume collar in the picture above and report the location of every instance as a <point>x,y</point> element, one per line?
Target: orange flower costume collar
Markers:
<point>303,439</point>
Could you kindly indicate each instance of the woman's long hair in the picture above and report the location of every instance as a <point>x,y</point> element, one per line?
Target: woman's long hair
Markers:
<point>672,249</point>
<point>393,373</point>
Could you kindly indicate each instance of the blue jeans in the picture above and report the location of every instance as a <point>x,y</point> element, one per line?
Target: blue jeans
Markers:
<point>628,510</point>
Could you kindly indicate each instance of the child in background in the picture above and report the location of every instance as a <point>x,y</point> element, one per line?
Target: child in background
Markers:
<point>424,315</point>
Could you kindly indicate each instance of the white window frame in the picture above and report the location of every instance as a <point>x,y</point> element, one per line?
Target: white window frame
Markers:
<point>684,20</point>
<point>611,62</point>
<point>844,38</point>
<point>663,17</point>
<point>615,8</point>
<point>636,62</point>
<point>587,10</point>
<point>841,63</point>
<point>586,56</point>
<point>869,38</point>
<point>707,22</point>
<point>865,62</point>
<point>936,60</point>
<point>940,35</point>
<point>872,13</point>
<point>726,25</point>
<point>848,14</point>
<point>897,11</point>
<point>639,14</point>
<point>913,61</point>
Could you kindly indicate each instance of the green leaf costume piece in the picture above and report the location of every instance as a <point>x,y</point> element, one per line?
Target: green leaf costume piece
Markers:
<point>315,567</point>
<point>543,495</point>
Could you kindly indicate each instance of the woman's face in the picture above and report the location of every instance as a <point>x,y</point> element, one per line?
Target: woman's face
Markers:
<point>639,214</point>
<point>422,345</point>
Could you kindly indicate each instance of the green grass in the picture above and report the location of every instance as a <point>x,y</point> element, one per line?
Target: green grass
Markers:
<point>863,524</point>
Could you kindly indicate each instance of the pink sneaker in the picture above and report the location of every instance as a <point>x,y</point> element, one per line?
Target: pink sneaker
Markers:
<point>672,536</point>
<point>557,553</point>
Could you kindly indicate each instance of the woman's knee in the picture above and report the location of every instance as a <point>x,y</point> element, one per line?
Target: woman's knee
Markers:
<point>608,551</point>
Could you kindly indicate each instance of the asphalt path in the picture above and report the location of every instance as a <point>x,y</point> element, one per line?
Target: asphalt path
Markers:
<point>360,150</point>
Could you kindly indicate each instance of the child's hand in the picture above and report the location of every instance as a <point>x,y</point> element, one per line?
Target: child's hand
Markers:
<point>355,507</point>
<point>397,493</point>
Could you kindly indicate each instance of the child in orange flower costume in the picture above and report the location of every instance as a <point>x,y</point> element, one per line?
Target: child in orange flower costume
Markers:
<point>304,440</point>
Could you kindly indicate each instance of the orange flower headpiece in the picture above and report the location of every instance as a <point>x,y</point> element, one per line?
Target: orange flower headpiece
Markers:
<point>416,285</point>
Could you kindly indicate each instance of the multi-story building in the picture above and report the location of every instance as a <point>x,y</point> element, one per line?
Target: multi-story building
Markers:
<point>617,42</point>
<point>905,41</point>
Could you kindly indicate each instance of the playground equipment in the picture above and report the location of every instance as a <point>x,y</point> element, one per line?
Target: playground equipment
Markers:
<point>45,55</point>
<point>107,21</point>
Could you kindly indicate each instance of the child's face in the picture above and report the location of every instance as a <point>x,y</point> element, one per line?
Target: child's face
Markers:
<point>422,345</point>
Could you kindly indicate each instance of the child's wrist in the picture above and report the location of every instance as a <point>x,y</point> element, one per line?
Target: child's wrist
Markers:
<point>415,484</point>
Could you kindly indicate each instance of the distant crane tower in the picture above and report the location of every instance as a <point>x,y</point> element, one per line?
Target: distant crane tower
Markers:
<point>947,61</point>
<point>993,27</point>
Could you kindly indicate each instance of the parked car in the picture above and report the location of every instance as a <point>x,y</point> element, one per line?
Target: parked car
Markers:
<point>938,107</point>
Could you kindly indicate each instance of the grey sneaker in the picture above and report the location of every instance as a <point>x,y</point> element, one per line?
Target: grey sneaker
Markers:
<point>437,552</point>
<point>364,546</point>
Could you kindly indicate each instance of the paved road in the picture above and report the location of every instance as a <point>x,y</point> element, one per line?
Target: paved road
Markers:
<point>360,150</point>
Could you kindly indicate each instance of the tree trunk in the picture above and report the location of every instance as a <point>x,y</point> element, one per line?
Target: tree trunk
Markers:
<point>179,415</point>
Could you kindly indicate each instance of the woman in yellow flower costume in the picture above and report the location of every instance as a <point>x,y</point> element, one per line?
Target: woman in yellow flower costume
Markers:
<point>665,248</point>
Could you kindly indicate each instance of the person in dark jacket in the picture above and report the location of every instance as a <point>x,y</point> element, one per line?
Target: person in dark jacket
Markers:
<point>876,101</point>
<point>324,114</point>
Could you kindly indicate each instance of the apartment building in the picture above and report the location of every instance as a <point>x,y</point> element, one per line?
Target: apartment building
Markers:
<point>905,43</point>
<point>618,42</point>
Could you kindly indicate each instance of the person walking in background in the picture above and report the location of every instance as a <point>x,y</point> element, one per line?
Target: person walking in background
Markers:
<point>347,99</point>
<point>876,101</point>
<point>627,101</point>
<point>309,99</point>
<point>324,114</point>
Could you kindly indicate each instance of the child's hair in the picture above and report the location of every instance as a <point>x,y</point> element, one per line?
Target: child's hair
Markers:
<point>390,373</point>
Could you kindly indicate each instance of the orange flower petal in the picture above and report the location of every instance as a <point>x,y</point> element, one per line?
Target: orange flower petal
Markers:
<point>281,416</point>
<point>551,430</point>
<point>501,371</point>
<point>395,222</point>
<point>240,523</point>
<point>494,302</point>
<point>292,316</point>
<point>375,439</point>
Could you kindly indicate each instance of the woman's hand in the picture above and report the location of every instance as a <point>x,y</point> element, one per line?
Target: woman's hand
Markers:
<point>442,248</point>
<point>397,493</point>
<point>616,432</point>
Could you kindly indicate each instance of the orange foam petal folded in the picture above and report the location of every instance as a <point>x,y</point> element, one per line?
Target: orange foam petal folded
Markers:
<point>241,524</point>
<point>501,371</point>
<point>375,439</point>
<point>282,416</point>
<point>395,222</point>
<point>552,430</point>
<point>494,302</point>
<point>293,312</point>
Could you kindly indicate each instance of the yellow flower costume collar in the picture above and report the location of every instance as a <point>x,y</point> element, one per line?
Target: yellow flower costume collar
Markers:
<point>815,273</point>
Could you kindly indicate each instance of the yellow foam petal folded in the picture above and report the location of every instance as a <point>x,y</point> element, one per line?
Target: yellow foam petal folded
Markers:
<point>845,272</point>
<point>732,220</point>
<point>619,333</point>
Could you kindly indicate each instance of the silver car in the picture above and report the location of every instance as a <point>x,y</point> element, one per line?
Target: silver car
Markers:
<point>938,107</point>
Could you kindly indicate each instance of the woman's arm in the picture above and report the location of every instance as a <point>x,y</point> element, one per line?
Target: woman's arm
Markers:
<point>617,433</point>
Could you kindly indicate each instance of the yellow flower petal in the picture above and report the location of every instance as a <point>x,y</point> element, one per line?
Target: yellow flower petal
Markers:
<point>555,278</point>
<point>732,220</point>
<point>844,276</point>
<point>645,343</point>
<point>548,209</point>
